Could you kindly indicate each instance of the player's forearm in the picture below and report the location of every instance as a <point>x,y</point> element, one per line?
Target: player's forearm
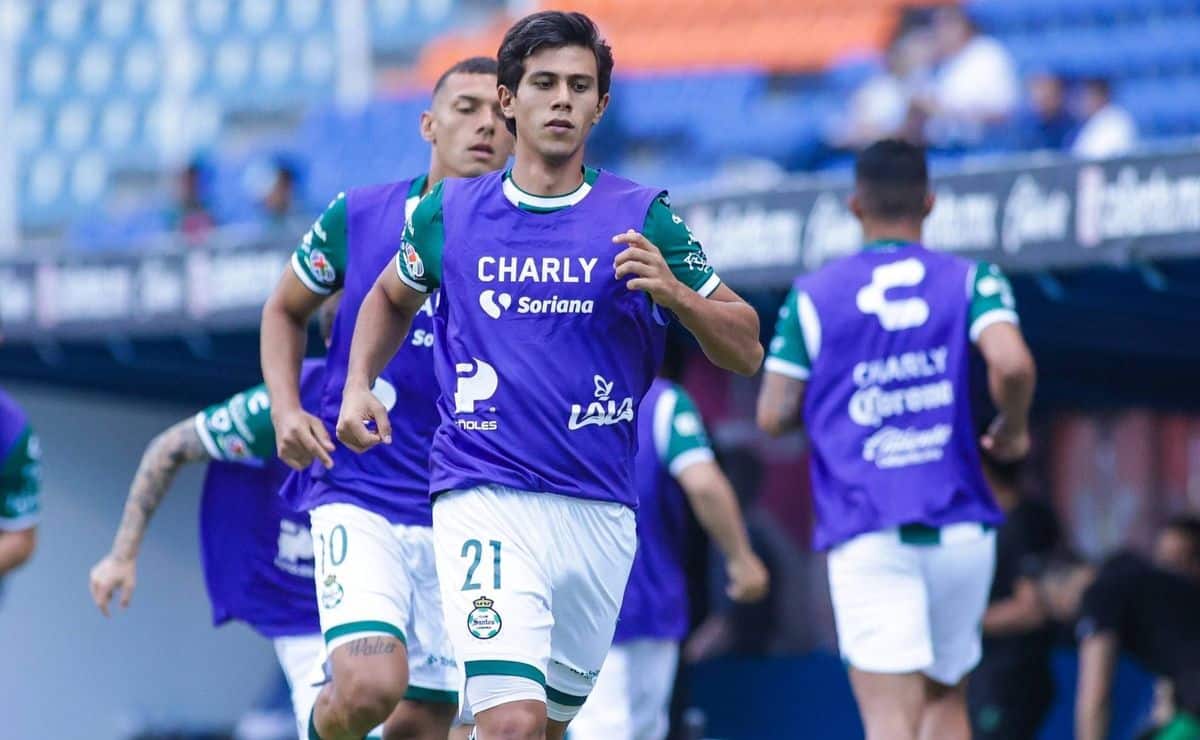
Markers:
<point>161,461</point>
<point>379,331</point>
<point>779,401</point>
<point>726,330</point>
<point>16,548</point>
<point>1011,382</point>
<point>282,344</point>
<point>715,505</point>
<point>1091,720</point>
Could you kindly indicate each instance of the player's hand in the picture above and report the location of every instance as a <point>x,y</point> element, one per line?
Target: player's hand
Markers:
<point>748,578</point>
<point>651,274</point>
<point>1005,440</point>
<point>360,407</point>
<point>301,438</point>
<point>110,575</point>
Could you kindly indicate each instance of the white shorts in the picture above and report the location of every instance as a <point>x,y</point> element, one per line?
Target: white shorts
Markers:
<point>300,658</point>
<point>632,698</point>
<point>378,578</point>
<point>913,608</point>
<point>532,584</point>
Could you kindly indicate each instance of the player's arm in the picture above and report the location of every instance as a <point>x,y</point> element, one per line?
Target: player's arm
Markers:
<point>316,271</point>
<point>1022,612</point>
<point>16,548</point>
<point>711,496</point>
<point>667,262</point>
<point>20,486</point>
<point>1010,367</point>
<point>383,322</point>
<point>163,457</point>
<point>781,395</point>
<point>1097,664</point>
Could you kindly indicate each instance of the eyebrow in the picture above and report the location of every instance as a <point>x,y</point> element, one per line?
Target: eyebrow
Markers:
<point>573,76</point>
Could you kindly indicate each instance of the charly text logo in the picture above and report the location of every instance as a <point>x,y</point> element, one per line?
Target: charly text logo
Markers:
<point>603,410</point>
<point>895,315</point>
<point>477,381</point>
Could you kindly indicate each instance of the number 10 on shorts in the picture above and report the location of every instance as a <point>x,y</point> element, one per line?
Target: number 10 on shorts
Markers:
<point>473,549</point>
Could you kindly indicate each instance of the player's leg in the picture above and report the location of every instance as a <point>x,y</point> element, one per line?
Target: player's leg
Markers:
<point>653,667</point>
<point>880,607</point>
<point>608,712</point>
<point>431,702</point>
<point>360,579</point>
<point>958,575</point>
<point>593,551</point>
<point>496,596</point>
<point>300,658</point>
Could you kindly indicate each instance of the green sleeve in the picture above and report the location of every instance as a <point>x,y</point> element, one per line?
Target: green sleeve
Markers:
<point>419,261</point>
<point>320,260</point>
<point>788,353</point>
<point>991,297</point>
<point>683,439</point>
<point>239,428</point>
<point>682,251</point>
<point>20,483</point>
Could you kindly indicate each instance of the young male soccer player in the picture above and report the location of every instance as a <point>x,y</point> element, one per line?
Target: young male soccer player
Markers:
<point>371,514</point>
<point>632,696</point>
<point>556,284</point>
<point>874,349</point>
<point>256,550</point>
<point>19,486</point>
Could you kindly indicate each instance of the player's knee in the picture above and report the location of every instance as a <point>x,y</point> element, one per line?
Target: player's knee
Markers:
<point>367,697</point>
<point>419,720</point>
<point>521,720</point>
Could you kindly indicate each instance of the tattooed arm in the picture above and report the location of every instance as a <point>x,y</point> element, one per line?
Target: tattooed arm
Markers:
<point>166,454</point>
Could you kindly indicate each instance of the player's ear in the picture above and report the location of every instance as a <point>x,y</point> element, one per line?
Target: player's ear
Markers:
<point>929,200</point>
<point>600,108</point>
<point>507,101</point>
<point>427,127</point>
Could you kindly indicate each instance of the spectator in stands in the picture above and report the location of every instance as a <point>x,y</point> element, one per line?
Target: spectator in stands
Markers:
<point>880,107</point>
<point>191,215</point>
<point>1128,604</point>
<point>1011,691</point>
<point>1045,123</point>
<point>1108,130</point>
<point>974,85</point>
<point>279,203</point>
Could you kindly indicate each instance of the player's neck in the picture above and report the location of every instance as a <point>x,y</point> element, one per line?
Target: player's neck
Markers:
<point>437,173</point>
<point>539,176</point>
<point>891,231</point>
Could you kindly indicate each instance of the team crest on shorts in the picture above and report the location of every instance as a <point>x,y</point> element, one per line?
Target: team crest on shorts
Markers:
<point>332,593</point>
<point>483,622</point>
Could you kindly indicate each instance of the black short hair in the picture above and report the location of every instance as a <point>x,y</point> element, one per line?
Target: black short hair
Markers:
<point>892,180</point>
<point>1187,525</point>
<point>551,29</point>
<point>470,66</point>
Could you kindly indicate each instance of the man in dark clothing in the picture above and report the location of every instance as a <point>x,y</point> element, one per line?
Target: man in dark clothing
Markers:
<point>1012,689</point>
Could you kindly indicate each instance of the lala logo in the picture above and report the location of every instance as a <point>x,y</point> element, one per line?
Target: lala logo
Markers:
<point>603,410</point>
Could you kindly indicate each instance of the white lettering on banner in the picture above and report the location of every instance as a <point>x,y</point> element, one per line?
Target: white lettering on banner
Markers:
<point>84,292</point>
<point>832,231</point>
<point>906,366</point>
<point>1032,214</point>
<point>962,222</point>
<point>536,269</point>
<point>746,235</point>
<point>896,448</point>
<point>603,411</point>
<point>870,406</point>
<point>224,281</point>
<point>16,298</point>
<point>1129,207</point>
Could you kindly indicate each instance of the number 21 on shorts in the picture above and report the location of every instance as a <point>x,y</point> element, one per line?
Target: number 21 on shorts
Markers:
<point>473,550</point>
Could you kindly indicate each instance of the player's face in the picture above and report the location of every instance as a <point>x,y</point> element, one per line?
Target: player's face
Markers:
<point>465,126</point>
<point>1173,551</point>
<point>557,101</point>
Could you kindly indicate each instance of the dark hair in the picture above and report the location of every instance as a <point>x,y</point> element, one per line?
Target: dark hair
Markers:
<point>551,29</point>
<point>892,180</point>
<point>470,66</point>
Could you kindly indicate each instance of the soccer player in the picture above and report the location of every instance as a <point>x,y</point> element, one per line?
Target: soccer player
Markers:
<point>557,281</point>
<point>256,550</point>
<point>874,349</point>
<point>632,696</point>
<point>380,606</point>
<point>1128,604</point>
<point>20,481</point>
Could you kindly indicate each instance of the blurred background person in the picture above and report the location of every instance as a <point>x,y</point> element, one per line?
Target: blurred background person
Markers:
<point>1044,121</point>
<point>1106,128</point>
<point>191,214</point>
<point>880,107</point>
<point>1012,689</point>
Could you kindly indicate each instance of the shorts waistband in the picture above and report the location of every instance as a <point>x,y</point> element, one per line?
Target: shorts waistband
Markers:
<point>923,534</point>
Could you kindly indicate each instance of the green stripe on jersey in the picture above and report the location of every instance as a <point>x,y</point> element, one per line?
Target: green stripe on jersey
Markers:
<point>20,482</point>
<point>239,428</point>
